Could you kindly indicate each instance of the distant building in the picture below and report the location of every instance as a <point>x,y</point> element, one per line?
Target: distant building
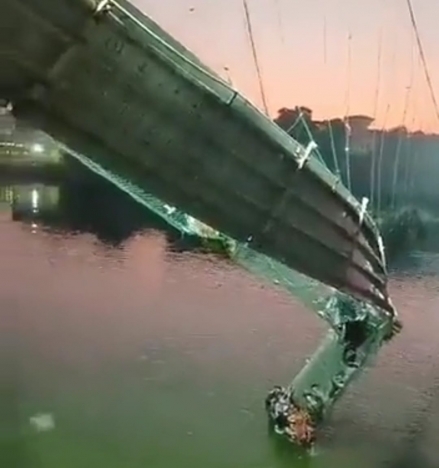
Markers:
<point>361,137</point>
<point>289,118</point>
<point>7,122</point>
<point>305,111</point>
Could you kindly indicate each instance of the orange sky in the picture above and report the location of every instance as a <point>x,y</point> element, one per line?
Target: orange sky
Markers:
<point>290,38</point>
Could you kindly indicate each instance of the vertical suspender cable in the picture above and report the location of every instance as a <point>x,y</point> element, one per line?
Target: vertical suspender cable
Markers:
<point>255,55</point>
<point>373,161</point>
<point>347,111</point>
<point>331,132</point>
<point>423,57</point>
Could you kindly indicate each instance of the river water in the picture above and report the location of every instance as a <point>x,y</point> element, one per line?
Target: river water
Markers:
<point>122,349</point>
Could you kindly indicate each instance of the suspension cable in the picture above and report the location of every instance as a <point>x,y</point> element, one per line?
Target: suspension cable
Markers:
<point>398,149</point>
<point>331,131</point>
<point>423,57</point>
<point>410,161</point>
<point>401,136</point>
<point>249,26</point>
<point>347,111</point>
<point>280,23</point>
<point>374,115</point>
<point>384,125</point>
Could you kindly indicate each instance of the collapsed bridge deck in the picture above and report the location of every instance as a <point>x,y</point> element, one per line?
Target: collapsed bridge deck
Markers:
<point>108,82</point>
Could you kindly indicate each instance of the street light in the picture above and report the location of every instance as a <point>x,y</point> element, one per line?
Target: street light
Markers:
<point>37,148</point>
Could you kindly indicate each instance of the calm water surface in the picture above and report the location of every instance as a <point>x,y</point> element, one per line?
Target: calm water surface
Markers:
<point>145,355</point>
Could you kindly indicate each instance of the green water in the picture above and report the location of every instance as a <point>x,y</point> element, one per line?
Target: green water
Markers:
<point>144,356</point>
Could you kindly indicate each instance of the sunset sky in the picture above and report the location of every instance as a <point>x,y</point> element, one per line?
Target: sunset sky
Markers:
<point>290,39</point>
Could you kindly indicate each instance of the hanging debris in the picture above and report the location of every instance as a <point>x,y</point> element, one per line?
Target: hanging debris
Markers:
<point>288,419</point>
<point>358,331</point>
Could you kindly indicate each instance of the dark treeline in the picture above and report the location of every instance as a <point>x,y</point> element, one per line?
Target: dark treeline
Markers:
<point>393,168</point>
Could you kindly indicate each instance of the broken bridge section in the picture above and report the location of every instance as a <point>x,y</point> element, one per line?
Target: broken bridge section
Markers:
<point>109,83</point>
<point>123,96</point>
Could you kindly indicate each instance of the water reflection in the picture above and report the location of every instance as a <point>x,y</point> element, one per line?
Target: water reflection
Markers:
<point>81,202</point>
<point>164,360</point>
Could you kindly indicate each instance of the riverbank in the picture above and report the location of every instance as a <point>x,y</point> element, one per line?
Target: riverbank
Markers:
<point>402,231</point>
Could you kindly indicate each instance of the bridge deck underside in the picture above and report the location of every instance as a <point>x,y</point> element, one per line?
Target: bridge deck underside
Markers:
<point>120,90</point>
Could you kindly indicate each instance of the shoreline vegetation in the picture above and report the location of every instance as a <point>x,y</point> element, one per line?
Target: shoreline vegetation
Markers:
<point>402,231</point>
